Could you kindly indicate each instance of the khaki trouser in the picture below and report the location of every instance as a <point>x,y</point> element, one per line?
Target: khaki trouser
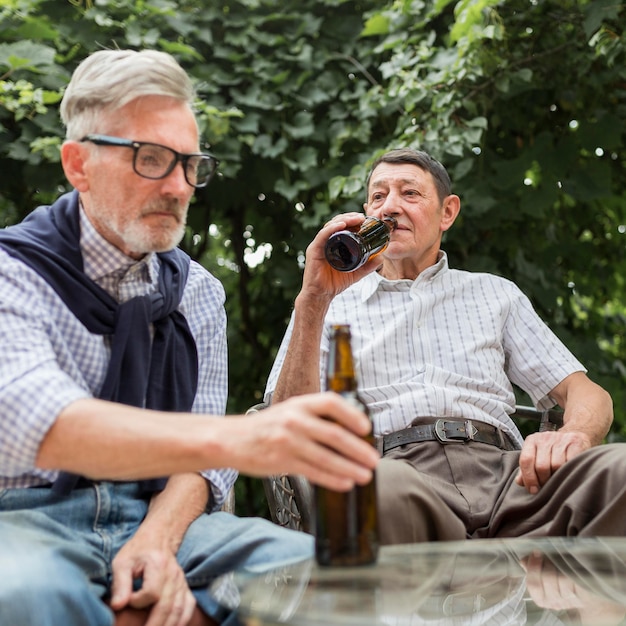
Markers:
<point>430,491</point>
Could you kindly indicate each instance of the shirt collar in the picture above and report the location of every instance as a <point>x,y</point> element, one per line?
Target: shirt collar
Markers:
<point>374,281</point>
<point>101,258</point>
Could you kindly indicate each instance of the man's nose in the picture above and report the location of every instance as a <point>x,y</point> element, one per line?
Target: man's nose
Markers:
<point>392,204</point>
<point>176,183</point>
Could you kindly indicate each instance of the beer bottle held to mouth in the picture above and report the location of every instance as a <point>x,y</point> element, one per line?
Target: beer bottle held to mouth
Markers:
<point>346,523</point>
<point>348,250</point>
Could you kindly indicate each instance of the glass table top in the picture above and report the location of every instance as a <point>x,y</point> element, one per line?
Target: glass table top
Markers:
<point>480,582</point>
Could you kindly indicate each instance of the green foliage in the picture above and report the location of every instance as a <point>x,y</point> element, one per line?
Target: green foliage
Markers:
<point>525,103</point>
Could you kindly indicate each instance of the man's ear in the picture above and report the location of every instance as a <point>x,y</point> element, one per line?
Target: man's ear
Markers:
<point>449,211</point>
<point>73,158</point>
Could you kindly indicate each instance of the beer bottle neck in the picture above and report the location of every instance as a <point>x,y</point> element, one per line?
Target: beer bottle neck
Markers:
<point>341,384</point>
<point>340,375</point>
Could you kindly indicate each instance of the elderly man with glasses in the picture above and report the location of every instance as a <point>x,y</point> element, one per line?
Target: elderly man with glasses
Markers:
<point>114,462</point>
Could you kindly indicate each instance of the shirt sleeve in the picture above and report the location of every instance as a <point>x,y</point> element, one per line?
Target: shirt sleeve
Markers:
<point>36,380</point>
<point>537,360</point>
<point>203,306</point>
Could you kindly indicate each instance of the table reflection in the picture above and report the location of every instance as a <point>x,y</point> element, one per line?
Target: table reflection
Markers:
<point>517,581</point>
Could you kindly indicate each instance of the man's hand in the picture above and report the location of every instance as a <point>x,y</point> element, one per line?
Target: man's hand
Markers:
<point>320,280</point>
<point>316,435</point>
<point>587,416</point>
<point>164,587</point>
<point>543,453</point>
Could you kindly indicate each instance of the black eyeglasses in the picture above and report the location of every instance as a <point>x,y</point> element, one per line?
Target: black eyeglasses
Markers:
<point>154,161</point>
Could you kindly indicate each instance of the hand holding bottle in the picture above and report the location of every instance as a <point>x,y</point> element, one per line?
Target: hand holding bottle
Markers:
<point>321,282</point>
<point>348,250</point>
<point>318,435</point>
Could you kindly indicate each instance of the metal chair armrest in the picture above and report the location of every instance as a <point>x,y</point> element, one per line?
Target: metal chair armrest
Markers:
<point>551,419</point>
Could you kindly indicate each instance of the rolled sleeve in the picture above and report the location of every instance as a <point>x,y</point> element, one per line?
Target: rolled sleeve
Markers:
<point>30,406</point>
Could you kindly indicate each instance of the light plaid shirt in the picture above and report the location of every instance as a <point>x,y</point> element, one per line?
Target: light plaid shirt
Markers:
<point>49,359</point>
<point>447,344</point>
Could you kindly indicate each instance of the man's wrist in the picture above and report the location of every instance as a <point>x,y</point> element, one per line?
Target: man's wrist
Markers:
<point>311,307</point>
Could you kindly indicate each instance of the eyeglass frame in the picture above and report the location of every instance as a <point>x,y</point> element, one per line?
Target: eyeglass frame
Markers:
<point>119,142</point>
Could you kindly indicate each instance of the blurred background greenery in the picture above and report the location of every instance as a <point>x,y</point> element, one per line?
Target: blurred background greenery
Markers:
<point>524,101</point>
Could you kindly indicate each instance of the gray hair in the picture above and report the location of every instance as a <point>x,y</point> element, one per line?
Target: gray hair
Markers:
<point>423,160</point>
<point>109,79</point>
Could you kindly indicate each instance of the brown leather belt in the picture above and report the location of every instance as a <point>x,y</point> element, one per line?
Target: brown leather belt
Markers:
<point>447,431</point>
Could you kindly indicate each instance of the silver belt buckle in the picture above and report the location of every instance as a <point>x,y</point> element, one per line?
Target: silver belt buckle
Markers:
<point>440,431</point>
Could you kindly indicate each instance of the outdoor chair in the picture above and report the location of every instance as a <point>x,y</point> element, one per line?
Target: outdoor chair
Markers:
<point>290,497</point>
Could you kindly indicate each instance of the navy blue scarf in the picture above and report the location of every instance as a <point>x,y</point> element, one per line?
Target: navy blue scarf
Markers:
<point>160,374</point>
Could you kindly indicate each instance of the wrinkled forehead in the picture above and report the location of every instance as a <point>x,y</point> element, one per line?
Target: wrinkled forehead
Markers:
<point>387,175</point>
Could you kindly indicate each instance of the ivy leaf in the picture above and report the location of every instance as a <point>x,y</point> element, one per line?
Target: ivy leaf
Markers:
<point>376,25</point>
<point>26,55</point>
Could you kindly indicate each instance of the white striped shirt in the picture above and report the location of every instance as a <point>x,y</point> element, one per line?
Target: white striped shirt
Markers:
<point>49,359</point>
<point>447,344</point>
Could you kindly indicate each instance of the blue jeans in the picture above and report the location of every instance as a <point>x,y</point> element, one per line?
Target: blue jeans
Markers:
<point>56,552</point>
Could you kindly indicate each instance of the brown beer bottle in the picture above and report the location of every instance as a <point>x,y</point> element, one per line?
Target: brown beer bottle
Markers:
<point>346,250</point>
<point>346,523</point>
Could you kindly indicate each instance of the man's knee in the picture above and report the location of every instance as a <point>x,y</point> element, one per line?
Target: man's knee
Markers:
<point>40,588</point>
<point>220,542</point>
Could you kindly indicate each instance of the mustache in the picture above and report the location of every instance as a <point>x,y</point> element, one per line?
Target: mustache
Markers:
<point>166,205</point>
